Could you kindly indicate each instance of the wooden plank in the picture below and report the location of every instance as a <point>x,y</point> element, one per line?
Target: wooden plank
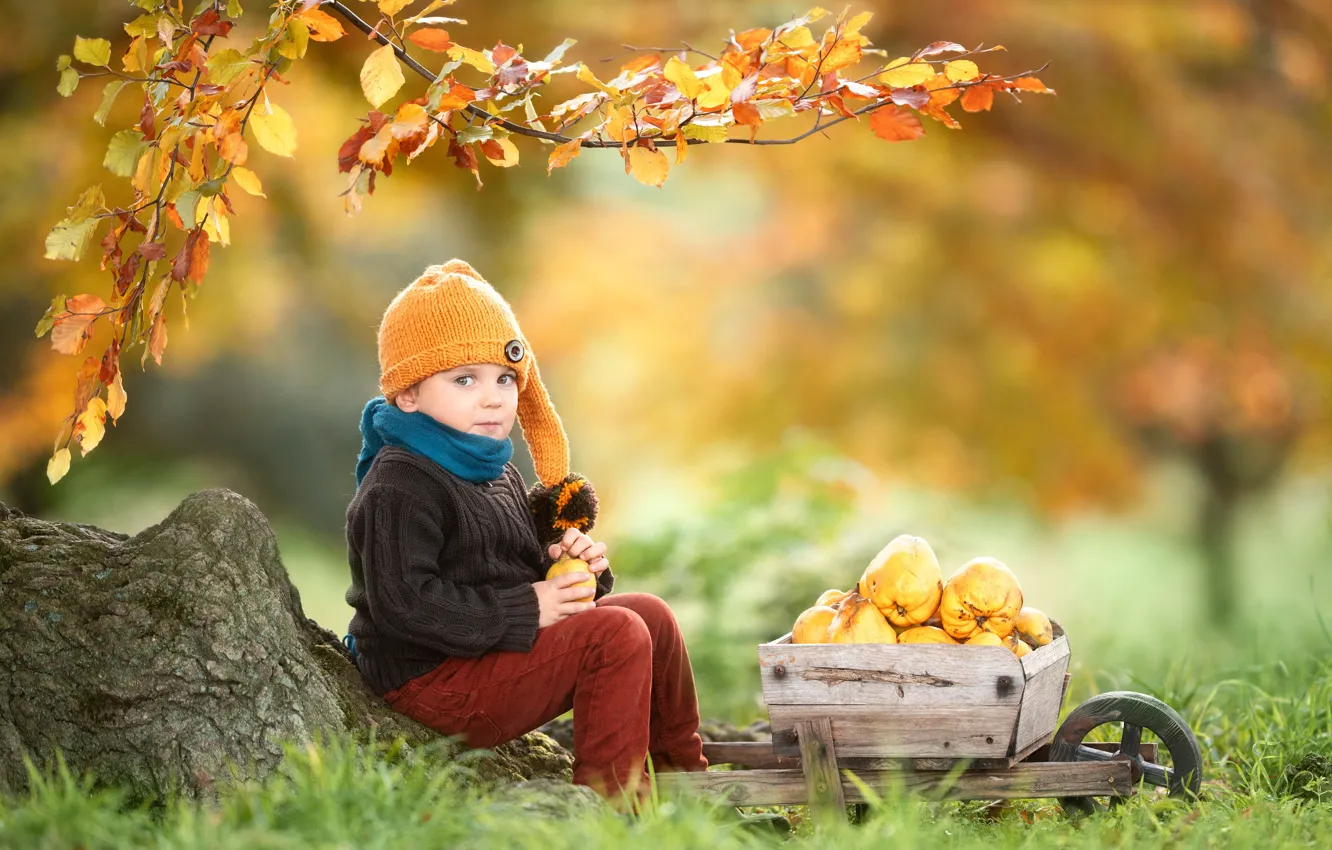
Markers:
<point>759,754</point>
<point>746,754</point>
<point>1028,780</point>
<point>1042,657</point>
<point>868,731</point>
<point>981,764</point>
<point>1147,749</point>
<point>823,783</point>
<point>1042,697</point>
<point>889,674</point>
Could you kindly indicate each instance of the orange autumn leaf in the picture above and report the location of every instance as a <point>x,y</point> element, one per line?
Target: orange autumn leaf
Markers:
<point>1030,84</point>
<point>942,92</point>
<point>157,339</point>
<point>752,39</point>
<point>198,259</point>
<point>978,98</point>
<point>895,124</point>
<point>563,154</point>
<point>323,26</point>
<point>746,114</point>
<point>641,63</point>
<point>938,113</point>
<point>431,38</point>
<point>73,327</point>
<point>457,97</point>
<point>842,55</point>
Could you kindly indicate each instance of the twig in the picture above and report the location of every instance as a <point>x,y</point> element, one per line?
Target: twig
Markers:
<point>689,47</point>
<point>110,73</point>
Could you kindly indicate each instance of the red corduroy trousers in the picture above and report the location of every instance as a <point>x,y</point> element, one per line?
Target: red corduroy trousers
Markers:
<point>623,669</point>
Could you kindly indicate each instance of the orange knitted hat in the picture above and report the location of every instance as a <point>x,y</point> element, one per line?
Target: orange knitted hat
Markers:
<point>450,317</point>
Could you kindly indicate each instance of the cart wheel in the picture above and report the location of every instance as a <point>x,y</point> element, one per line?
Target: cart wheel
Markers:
<point>1137,712</point>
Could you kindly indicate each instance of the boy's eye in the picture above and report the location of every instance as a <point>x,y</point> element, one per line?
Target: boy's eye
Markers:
<point>508,378</point>
<point>462,380</point>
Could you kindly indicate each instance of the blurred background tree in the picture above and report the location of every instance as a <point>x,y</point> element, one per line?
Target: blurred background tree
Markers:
<point>1034,312</point>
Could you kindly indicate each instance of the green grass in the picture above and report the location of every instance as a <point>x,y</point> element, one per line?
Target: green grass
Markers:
<point>1255,732</point>
<point>1257,692</point>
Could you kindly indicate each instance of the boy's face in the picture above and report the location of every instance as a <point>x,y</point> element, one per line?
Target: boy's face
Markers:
<point>478,399</point>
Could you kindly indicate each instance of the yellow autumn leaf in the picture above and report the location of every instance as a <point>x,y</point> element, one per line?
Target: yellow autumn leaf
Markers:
<point>248,180</point>
<point>510,154</point>
<point>475,58</point>
<point>617,122</point>
<point>410,120</point>
<point>116,397</point>
<point>209,213</point>
<point>681,147</point>
<point>856,24</point>
<point>273,129</point>
<point>585,74</point>
<point>136,57</point>
<point>903,73</point>
<point>649,167</point>
<point>717,94</point>
<point>683,77</point>
<point>393,7</point>
<point>381,76</point>
<point>373,150</point>
<point>93,422</point>
<point>57,466</point>
<point>797,38</point>
<point>711,135</point>
<point>94,51</point>
<point>961,70</point>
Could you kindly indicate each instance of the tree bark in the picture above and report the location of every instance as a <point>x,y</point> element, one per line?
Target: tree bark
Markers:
<point>164,661</point>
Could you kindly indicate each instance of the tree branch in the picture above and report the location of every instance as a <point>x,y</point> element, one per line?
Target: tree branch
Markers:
<point>659,141</point>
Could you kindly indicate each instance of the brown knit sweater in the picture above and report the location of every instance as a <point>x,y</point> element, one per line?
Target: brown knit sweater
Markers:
<point>440,567</point>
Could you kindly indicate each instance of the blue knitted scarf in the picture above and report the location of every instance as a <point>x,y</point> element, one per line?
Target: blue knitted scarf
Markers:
<point>471,457</point>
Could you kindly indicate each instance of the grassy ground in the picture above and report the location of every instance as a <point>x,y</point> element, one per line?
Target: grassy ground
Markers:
<point>1257,691</point>
<point>1263,738</point>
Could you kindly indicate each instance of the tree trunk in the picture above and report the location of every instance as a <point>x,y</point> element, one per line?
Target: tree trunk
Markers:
<point>1216,533</point>
<point>167,659</point>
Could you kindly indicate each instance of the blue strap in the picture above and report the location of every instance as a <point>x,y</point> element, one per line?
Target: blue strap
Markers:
<point>350,642</point>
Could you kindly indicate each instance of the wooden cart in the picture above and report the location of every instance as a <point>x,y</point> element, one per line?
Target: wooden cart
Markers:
<point>949,722</point>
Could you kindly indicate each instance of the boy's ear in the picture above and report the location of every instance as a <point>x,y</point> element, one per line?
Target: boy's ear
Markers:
<point>406,400</point>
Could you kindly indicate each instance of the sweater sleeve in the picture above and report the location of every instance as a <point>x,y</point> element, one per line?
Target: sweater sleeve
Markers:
<point>605,583</point>
<point>409,599</point>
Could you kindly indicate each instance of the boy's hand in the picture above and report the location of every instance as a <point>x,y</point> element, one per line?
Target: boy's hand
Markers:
<point>579,545</point>
<point>558,599</point>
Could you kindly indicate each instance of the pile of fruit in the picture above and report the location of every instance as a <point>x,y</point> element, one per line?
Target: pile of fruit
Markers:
<point>902,598</point>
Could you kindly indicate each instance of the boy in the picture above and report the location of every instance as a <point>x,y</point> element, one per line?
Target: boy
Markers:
<point>454,623</point>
